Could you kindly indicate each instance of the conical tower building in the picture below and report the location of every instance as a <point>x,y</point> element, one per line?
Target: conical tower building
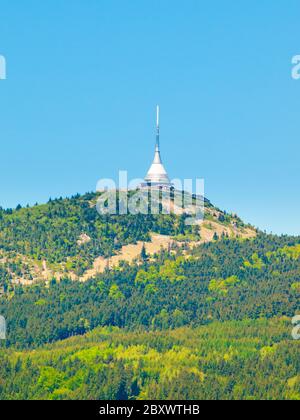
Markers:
<point>157,175</point>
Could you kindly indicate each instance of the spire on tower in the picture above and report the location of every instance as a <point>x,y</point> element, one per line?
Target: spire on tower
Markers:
<point>157,175</point>
<point>157,127</point>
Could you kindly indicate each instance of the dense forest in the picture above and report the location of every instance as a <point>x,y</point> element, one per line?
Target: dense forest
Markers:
<point>231,360</point>
<point>210,321</point>
<point>224,280</point>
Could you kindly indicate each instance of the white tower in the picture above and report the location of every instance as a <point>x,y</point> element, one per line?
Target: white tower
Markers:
<point>157,175</point>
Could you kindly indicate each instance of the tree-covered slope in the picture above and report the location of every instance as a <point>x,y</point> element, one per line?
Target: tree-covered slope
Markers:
<point>224,280</point>
<point>65,236</point>
<point>232,360</point>
<point>52,231</point>
<point>206,318</point>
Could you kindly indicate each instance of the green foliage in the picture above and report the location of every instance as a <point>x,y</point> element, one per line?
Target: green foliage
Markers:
<point>256,262</point>
<point>144,256</point>
<point>296,287</point>
<point>232,360</point>
<point>291,251</point>
<point>222,286</point>
<point>171,271</point>
<point>53,231</point>
<point>115,292</point>
<point>211,285</point>
<point>211,325</point>
<point>186,334</point>
<point>41,302</point>
<point>287,252</point>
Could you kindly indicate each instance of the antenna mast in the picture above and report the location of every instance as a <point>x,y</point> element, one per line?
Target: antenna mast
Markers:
<point>157,127</point>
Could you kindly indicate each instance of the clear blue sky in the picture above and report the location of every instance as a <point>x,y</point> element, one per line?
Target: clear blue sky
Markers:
<point>84,78</point>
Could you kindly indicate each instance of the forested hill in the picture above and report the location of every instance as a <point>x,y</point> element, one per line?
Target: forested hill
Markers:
<point>64,237</point>
<point>218,281</point>
<point>208,317</point>
<point>215,324</point>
